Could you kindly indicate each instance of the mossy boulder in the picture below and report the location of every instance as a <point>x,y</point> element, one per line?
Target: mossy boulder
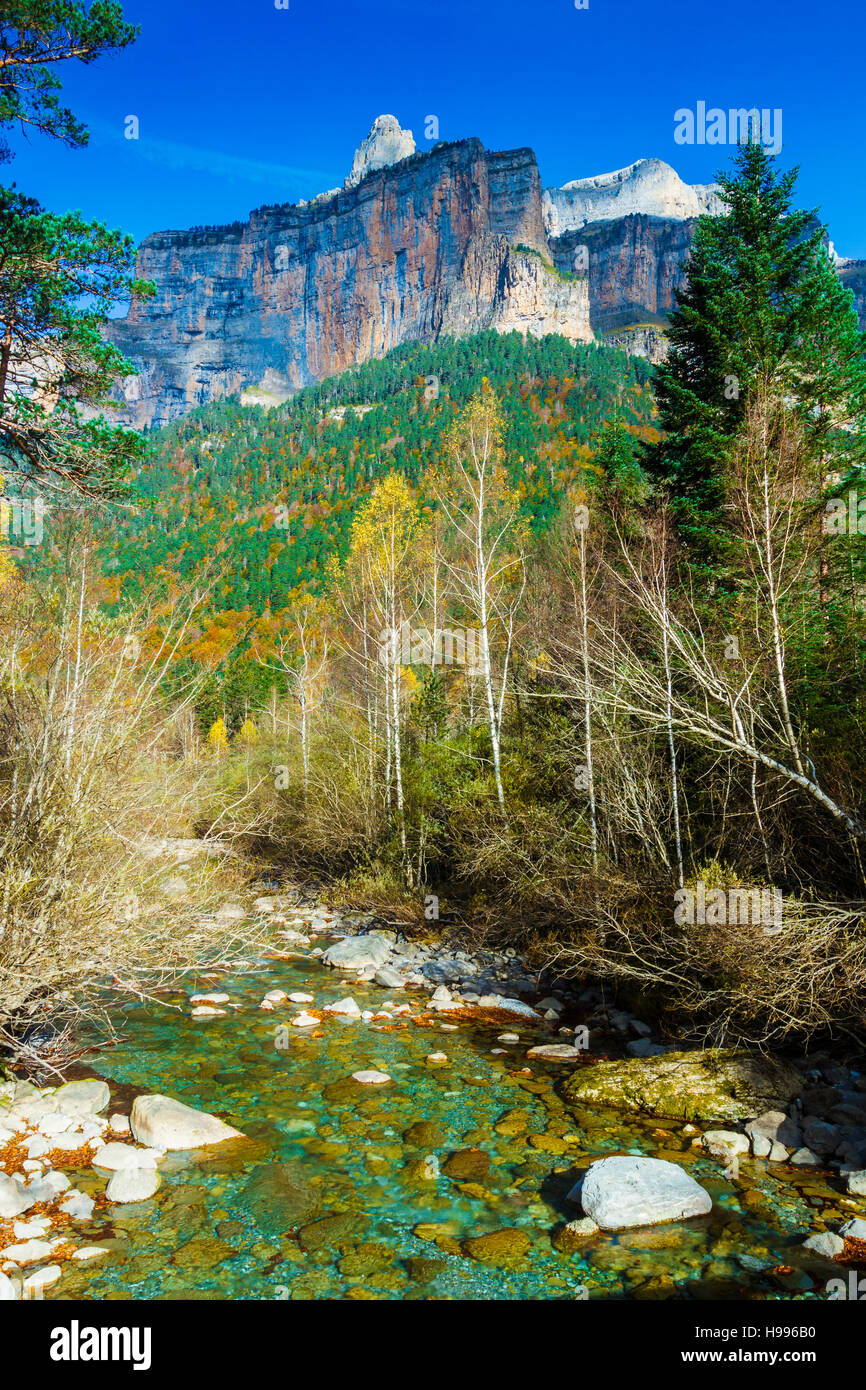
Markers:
<point>506,1249</point>
<point>719,1084</point>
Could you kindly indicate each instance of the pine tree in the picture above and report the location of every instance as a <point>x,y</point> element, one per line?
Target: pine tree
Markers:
<point>762,312</point>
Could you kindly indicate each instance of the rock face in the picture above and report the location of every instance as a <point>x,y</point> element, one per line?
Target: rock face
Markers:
<point>416,244</point>
<point>648,186</point>
<point>634,265</point>
<point>386,144</point>
<point>426,246</point>
<point>618,1193</point>
<point>716,1085</point>
<point>163,1123</point>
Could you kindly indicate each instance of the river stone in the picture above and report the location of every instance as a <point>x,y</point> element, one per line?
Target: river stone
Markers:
<point>774,1126</point>
<point>329,1230</point>
<point>78,1206</point>
<point>855,1229</point>
<point>467,1165</point>
<point>724,1143</point>
<point>504,1249</point>
<point>280,1197</point>
<point>721,1084</point>
<point>388,978</point>
<point>857,1183</point>
<point>825,1243</point>
<point>82,1097</point>
<point>117,1156</point>
<point>8,1291</point>
<point>625,1191</point>
<point>162,1123</point>
<point>29,1252</point>
<point>555,1052</point>
<point>424,1134</point>
<point>357,953</point>
<point>14,1199</point>
<point>132,1185</point>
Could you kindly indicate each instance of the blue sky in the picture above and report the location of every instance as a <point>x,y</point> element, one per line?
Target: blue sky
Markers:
<point>240,103</point>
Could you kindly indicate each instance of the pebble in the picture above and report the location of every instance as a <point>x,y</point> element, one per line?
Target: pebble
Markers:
<point>116,1156</point>
<point>41,1279</point>
<point>29,1252</point>
<point>33,1229</point>
<point>347,1007</point>
<point>304,1020</point>
<point>132,1185</point>
<point>371,1078</point>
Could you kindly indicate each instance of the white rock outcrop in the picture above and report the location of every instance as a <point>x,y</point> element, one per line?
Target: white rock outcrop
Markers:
<point>648,186</point>
<point>386,144</point>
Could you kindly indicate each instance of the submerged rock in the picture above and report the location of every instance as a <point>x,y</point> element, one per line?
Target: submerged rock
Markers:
<point>467,1165</point>
<point>281,1197</point>
<point>625,1191</point>
<point>162,1123</point>
<point>504,1249</point>
<point>717,1084</point>
<point>555,1052</point>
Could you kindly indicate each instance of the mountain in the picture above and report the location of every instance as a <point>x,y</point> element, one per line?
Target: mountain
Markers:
<point>648,186</point>
<point>447,242</point>
<point>415,245</point>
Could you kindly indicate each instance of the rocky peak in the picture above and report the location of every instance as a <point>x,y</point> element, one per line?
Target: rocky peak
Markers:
<point>648,186</point>
<point>386,144</point>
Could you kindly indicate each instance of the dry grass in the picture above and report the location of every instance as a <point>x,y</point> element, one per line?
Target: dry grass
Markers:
<point>92,773</point>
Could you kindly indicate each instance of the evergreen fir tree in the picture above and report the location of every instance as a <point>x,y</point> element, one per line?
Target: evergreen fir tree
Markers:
<point>762,311</point>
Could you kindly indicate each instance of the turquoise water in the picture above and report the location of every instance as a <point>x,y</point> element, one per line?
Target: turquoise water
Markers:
<point>321,1145</point>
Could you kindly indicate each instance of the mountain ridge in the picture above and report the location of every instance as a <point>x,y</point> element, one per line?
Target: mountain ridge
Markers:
<point>456,239</point>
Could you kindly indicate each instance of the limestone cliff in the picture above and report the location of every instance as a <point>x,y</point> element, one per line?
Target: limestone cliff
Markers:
<point>635,265</point>
<point>649,187</point>
<point>410,250</point>
<point>414,245</point>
